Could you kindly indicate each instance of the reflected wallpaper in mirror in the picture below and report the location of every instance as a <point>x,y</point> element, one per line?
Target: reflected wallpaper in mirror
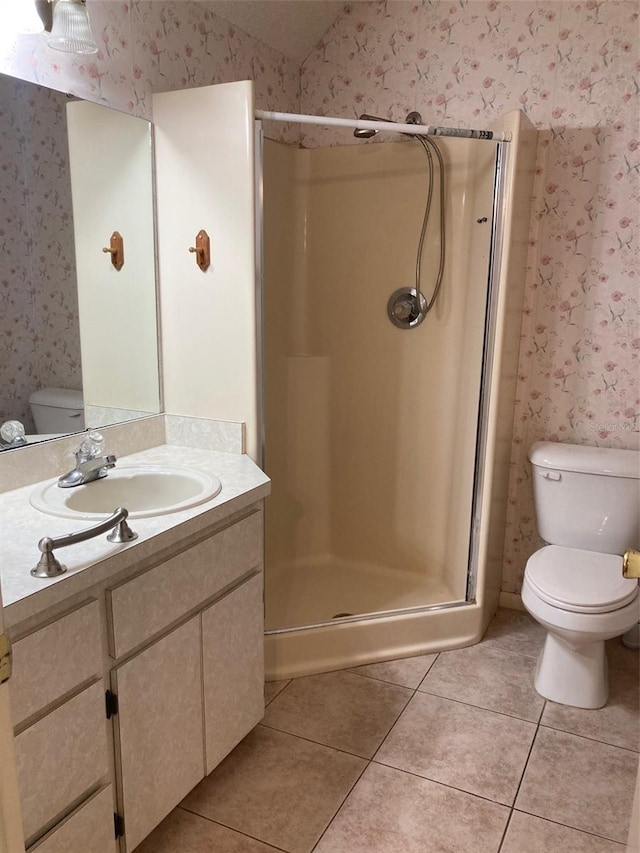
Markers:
<point>41,322</point>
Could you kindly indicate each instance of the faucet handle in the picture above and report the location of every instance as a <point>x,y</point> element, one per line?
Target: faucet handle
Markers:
<point>91,446</point>
<point>12,432</point>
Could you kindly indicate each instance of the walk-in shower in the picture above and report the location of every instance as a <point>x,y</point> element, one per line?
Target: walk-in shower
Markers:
<point>388,442</point>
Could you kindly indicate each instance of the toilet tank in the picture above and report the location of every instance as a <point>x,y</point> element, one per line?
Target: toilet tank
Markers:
<point>586,497</point>
<point>57,410</point>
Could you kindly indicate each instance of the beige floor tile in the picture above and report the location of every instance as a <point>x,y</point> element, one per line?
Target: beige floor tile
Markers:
<point>618,723</point>
<point>489,678</point>
<point>407,672</point>
<point>183,832</point>
<point>272,688</point>
<point>338,709</point>
<point>580,783</point>
<point>389,811</point>
<point>527,834</point>
<point>515,631</point>
<point>278,788</point>
<point>469,748</point>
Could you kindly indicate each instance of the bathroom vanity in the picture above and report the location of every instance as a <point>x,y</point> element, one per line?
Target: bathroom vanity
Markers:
<point>137,671</point>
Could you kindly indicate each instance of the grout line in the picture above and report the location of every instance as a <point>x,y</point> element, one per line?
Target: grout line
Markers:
<point>384,680</point>
<point>442,784</point>
<point>479,707</point>
<point>316,742</point>
<point>588,737</point>
<point>282,689</point>
<point>490,646</point>
<point>339,749</point>
<point>526,764</point>
<point>395,723</point>
<point>232,828</point>
<point>506,827</point>
<point>345,798</point>
<point>370,761</point>
<point>575,828</point>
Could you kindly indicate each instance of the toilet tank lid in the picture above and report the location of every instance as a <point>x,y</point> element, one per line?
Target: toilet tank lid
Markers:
<point>58,398</point>
<point>606,461</point>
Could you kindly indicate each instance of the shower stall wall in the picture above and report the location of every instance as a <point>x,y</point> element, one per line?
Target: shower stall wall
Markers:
<point>375,436</point>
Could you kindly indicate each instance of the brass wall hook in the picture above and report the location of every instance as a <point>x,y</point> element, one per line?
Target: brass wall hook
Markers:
<point>116,250</point>
<point>202,250</point>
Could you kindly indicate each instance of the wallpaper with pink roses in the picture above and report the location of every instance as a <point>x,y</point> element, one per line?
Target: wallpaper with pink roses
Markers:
<point>144,47</point>
<point>573,67</point>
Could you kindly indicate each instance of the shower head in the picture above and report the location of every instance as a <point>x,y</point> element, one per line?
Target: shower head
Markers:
<point>412,118</point>
<point>367,134</point>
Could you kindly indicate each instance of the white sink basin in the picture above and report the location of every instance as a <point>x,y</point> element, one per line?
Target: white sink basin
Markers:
<point>144,490</point>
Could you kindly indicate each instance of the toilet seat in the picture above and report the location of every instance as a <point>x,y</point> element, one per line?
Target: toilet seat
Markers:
<point>579,581</point>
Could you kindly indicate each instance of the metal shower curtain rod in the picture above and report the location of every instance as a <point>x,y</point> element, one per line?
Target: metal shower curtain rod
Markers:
<point>395,127</point>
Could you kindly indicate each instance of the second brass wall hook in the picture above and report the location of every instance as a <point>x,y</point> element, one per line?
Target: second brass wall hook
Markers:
<point>202,250</point>
<point>116,250</point>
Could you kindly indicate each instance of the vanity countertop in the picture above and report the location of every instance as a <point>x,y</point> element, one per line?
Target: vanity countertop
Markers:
<point>91,562</point>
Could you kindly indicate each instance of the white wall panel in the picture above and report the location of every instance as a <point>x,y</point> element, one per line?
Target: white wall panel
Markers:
<point>205,180</point>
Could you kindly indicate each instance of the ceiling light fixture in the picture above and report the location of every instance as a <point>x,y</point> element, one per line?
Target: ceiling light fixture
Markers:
<point>68,23</point>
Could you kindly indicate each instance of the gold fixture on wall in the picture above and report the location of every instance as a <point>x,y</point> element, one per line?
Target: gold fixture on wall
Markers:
<point>202,250</point>
<point>631,564</point>
<point>116,250</point>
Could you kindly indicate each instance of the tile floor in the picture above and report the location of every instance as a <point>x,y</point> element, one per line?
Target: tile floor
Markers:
<point>447,753</point>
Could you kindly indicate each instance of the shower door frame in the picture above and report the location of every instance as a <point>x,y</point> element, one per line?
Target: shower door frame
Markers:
<point>496,246</point>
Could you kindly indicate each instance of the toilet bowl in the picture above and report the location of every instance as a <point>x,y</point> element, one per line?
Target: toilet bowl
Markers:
<point>586,505</point>
<point>582,600</point>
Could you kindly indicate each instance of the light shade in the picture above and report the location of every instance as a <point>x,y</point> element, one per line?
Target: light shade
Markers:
<point>71,31</point>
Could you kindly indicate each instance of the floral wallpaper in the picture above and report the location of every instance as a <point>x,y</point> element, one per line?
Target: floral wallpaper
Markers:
<point>38,299</point>
<point>145,46</point>
<point>148,46</point>
<point>573,67</point>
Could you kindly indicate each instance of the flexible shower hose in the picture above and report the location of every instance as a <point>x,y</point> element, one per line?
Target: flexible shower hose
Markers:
<point>428,146</point>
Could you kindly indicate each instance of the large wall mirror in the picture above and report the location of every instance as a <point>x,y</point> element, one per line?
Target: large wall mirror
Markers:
<point>71,174</point>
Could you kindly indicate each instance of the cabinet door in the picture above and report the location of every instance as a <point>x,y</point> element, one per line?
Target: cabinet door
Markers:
<point>160,728</point>
<point>233,666</point>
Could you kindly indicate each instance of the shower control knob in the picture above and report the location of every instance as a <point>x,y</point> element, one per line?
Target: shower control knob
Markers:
<point>403,309</point>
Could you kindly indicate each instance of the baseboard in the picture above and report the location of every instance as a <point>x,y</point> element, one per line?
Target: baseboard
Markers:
<point>511,600</point>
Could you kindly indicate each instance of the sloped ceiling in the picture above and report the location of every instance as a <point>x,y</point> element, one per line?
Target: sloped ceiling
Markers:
<point>292,27</point>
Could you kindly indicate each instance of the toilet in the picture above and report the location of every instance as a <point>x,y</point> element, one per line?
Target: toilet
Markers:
<point>587,502</point>
<point>57,410</point>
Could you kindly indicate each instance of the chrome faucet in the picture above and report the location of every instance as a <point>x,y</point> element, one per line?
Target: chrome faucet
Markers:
<point>90,463</point>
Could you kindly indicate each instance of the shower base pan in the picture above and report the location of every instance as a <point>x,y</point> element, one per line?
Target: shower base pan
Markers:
<point>330,614</point>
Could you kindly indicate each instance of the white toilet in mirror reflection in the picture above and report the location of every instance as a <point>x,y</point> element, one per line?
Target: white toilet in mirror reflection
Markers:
<point>57,411</point>
<point>587,502</point>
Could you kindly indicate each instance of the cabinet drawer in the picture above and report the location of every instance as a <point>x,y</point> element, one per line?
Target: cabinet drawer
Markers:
<point>145,605</point>
<point>54,660</point>
<point>61,758</point>
<point>88,829</point>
